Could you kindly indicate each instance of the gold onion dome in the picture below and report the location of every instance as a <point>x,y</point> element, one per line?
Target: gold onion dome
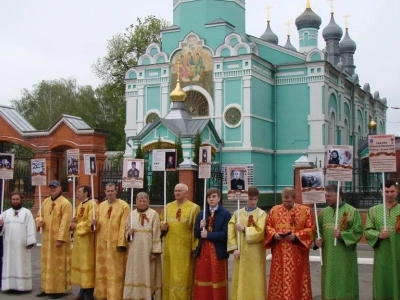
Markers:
<point>372,124</point>
<point>178,94</point>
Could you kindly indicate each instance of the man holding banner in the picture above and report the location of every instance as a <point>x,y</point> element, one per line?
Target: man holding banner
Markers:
<point>386,244</point>
<point>111,245</point>
<point>290,233</point>
<point>246,231</point>
<point>83,251</point>
<point>179,246</point>
<point>54,219</point>
<point>211,271</point>
<point>339,270</point>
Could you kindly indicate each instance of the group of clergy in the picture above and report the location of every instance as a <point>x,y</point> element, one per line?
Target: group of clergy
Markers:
<point>116,252</point>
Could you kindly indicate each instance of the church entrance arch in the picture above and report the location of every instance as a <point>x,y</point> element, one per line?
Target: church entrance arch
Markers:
<point>196,104</point>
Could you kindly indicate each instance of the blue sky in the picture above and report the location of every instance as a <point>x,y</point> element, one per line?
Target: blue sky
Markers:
<point>47,39</point>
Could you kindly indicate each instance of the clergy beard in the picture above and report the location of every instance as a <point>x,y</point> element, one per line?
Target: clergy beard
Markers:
<point>16,206</point>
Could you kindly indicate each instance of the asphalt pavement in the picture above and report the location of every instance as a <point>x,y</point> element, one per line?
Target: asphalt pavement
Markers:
<point>365,254</point>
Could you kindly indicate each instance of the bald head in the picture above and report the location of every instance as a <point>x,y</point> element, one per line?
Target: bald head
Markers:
<point>180,192</point>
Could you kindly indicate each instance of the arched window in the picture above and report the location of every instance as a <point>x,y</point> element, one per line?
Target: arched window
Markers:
<point>196,104</point>
<point>332,129</point>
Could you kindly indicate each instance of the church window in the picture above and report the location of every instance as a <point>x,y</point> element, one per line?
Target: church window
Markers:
<point>233,116</point>
<point>319,70</point>
<point>312,70</point>
<point>196,104</point>
<point>151,118</point>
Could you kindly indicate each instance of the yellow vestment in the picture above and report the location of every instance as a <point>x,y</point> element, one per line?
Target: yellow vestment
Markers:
<point>56,262</point>
<point>83,251</point>
<point>110,263</point>
<point>178,264</point>
<point>249,271</point>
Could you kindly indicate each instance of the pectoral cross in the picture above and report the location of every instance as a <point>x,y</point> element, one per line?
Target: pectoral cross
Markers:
<point>346,20</point>
<point>288,23</point>
<point>332,6</point>
<point>268,9</point>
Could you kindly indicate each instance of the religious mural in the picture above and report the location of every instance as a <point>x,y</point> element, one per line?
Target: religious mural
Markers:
<point>195,65</point>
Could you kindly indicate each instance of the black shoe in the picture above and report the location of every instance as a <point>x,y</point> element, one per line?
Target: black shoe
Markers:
<point>57,296</point>
<point>41,294</point>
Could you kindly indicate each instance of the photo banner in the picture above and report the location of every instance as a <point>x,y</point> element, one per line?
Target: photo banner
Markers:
<point>237,183</point>
<point>133,173</point>
<point>312,186</point>
<point>89,162</point>
<point>340,163</point>
<point>164,160</point>
<point>205,162</point>
<point>6,165</point>
<point>73,163</point>
<point>382,153</point>
<point>38,171</point>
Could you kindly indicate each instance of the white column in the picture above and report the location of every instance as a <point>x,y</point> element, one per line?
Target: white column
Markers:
<point>164,99</point>
<point>316,119</point>
<point>141,112</point>
<point>218,105</point>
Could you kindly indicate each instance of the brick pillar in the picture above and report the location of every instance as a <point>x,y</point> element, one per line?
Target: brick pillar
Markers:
<point>187,171</point>
<point>301,164</point>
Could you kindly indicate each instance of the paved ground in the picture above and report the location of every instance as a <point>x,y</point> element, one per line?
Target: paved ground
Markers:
<point>365,277</point>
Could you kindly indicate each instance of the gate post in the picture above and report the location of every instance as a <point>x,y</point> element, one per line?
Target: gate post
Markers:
<point>186,175</point>
<point>300,164</point>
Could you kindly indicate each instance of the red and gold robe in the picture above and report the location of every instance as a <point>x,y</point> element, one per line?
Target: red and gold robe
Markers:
<point>290,269</point>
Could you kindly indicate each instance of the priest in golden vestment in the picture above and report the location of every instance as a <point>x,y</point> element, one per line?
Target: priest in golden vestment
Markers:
<point>246,232</point>
<point>179,246</point>
<point>110,245</point>
<point>290,233</point>
<point>143,268</point>
<point>83,251</point>
<point>54,219</point>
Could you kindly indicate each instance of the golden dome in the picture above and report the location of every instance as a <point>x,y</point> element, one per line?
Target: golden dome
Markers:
<point>372,124</point>
<point>178,94</point>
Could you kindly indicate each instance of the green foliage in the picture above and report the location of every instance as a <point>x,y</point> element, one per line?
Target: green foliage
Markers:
<point>179,150</point>
<point>197,145</point>
<point>139,152</point>
<point>123,50</point>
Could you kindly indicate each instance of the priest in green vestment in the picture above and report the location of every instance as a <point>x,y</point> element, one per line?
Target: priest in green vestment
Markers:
<point>386,244</point>
<point>339,270</point>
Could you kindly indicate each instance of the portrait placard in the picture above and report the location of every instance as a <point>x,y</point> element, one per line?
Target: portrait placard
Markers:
<point>382,153</point>
<point>312,186</point>
<point>38,171</point>
<point>340,163</point>
<point>6,165</point>
<point>73,163</point>
<point>205,162</point>
<point>133,173</point>
<point>89,161</point>
<point>237,183</point>
<point>164,160</point>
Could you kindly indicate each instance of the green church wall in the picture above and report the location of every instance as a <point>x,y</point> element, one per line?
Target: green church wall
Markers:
<point>293,107</point>
<point>233,136</point>
<point>333,103</point>
<point>153,98</point>
<point>275,56</point>
<point>286,171</point>
<point>262,99</point>
<point>262,136</point>
<point>233,65</point>
<point>233,91</point>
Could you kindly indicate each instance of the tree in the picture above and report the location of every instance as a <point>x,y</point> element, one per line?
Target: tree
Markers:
<point>197,145</point>
<point>139,152</point>
<point>49,99</point>
<point>123,50</point>
<point>179,150</point>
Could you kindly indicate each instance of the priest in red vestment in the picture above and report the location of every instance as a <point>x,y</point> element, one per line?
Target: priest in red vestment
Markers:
<point>290,233</point>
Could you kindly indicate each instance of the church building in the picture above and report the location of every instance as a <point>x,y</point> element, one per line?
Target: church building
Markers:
<point>259,104</point>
